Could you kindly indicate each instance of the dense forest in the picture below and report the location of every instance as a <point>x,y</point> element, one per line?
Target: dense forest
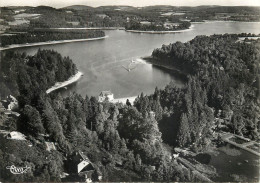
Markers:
<point>124,143</point>
<point>19,72</point>
<point>44,35</point>
<point>129,143</point>
<point>224,83</point>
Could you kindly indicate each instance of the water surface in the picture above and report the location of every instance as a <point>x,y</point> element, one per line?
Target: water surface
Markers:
<point>101,61</point>
<point>241,167</point>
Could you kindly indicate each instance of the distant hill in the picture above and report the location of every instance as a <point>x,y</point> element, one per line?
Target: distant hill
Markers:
<point>19,7</point>
<point>122,8</point>
<point>78,7</point>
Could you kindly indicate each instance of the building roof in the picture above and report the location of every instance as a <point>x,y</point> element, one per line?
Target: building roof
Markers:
<point>78,157</point>
<point>50,146</point>
<point>83,156</point>
<point>16,136</point>
<point>105,93</point>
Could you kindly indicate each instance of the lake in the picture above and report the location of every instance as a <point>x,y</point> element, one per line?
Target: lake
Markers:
<point>102,61</point>
<point>243,166</point>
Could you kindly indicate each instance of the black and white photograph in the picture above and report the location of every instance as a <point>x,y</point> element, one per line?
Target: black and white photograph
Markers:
<point>129,91</point>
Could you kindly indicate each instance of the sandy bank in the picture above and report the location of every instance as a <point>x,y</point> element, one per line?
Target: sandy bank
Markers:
<point>89,28</point>
<point>49,42</point>
<point>71,80</point>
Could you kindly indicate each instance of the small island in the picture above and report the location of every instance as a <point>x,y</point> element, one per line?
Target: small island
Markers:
<point>158,27</point>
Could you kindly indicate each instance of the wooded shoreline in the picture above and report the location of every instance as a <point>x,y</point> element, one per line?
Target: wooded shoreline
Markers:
<point>160,32</point>
<point>175,70</point>
<point>49,43</point>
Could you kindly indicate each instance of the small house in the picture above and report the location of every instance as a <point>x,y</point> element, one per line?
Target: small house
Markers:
<point>14,135</point>
<point>105,95</point>
<point>50,146</point>
<point>145,23</point>
<point>101,15</point>
<point>11,113</point>
<point>152,114</point>
<point>170,25</point>
<point>10,103</point>
<point>79,162</point>
<point>80,168</point>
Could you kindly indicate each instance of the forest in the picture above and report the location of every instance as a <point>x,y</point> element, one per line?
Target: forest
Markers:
<point>224,83</point>
<point>122,142</point>
<point>132,143</point>
<point>44,35</point>
<point>19,72</point>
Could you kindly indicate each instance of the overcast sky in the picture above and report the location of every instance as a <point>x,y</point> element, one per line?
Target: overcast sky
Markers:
<point>95,3</point>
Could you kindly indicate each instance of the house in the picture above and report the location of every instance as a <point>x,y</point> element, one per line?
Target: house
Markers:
<point>105,95</point>
<point>101,15</point>
<point>2,108</point>
<point>78,161</point>
<point>75,23</point>
<point>11,113</point>
<point>19,11</point>
<point>50,146</point>
<point>169,25</point>
<point>80,168</point>
<point>152,114</point>
<point>10,103</point>
<point>14,135</point>
<point>145,23</point>
<point>63,175</point>
<point>176,155</point>
<point>6,106</point>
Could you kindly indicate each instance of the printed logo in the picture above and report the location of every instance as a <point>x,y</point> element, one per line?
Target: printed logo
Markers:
<point>18,170</point>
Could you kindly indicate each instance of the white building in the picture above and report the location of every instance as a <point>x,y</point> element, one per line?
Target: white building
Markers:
<point>50,146</point>
<point>10,103</point>
<point>105,95</point>
<point>14,135</point>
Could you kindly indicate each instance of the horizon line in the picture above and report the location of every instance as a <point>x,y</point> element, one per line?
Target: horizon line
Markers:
<point>132,6</point>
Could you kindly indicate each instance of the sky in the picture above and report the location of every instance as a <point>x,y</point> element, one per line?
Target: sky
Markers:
<point>137,3</point>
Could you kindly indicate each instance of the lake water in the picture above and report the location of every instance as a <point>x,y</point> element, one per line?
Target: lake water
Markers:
<point>241,167</point>
<point>101,61</point>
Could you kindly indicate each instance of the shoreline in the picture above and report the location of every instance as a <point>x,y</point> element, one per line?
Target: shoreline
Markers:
<point>71,80</point>
<point>161,32</point>
<point>89,28</point>
<point>222,21</point>
<point>49,43</point>
<point>151,60</point>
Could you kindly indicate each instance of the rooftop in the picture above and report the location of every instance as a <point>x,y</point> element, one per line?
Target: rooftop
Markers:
<point>105,93</point>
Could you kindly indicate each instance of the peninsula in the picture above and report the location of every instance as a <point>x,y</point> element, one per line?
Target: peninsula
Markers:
<point>47,36</point>
<point>49,42</point>
<point>71,80</point>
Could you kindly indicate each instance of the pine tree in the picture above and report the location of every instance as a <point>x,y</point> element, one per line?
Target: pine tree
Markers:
<point>183,136</point>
